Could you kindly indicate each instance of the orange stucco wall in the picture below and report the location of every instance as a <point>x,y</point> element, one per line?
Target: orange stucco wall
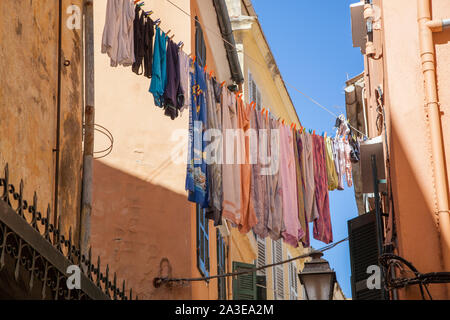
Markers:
<point>141,214</point>
<point>399,73</point>
<point>29,102</point>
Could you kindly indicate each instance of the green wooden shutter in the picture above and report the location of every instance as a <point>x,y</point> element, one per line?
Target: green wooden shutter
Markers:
<point>244,286</point>
<point>363,245</point>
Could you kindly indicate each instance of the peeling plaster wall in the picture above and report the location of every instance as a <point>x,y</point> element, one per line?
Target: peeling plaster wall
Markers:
<point>28,103</point>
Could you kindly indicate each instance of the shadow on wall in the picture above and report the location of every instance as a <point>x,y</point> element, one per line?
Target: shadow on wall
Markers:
<point>135,227</point>
<point>441,37</point>
<point>415,222</point>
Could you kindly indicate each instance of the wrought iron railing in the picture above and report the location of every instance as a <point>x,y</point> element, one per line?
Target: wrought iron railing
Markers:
<point>40,248</point>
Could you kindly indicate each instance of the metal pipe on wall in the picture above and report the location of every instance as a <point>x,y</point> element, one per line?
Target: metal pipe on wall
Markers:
<point>427,54</point>
<point>58,119</point>
<point>88,156</point>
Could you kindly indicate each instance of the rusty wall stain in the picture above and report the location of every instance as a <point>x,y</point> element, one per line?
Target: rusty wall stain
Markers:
<point>71,128</point>
<point>28,103</point>
<point>28,81</point>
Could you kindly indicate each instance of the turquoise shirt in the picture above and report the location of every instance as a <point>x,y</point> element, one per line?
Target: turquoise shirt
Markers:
<point>159,72</point>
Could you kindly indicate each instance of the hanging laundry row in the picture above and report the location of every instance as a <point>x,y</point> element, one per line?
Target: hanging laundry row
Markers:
<point>132,38</point>
<point>244,165</point>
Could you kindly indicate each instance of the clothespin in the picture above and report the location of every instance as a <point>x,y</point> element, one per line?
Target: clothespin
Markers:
<point>157,22</point>
<point>172,37</point>
<point>263,110</point>
<point>211,73</point>
<point>292,125</point>
<point>253,104</point>
<point>314,132</point>
<point>222,84</point>
<point>167,33</point>
<point>204,69</point>
<point>136,1</point>
<point>193,59</point>
<point>147,13</point>
<point>267,114</point>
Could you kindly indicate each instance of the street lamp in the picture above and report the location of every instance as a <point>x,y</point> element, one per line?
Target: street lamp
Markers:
<point>317,278</point>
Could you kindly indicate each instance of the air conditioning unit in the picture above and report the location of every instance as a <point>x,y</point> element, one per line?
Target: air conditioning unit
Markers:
<point>368,148</point>
<point>359,33</point>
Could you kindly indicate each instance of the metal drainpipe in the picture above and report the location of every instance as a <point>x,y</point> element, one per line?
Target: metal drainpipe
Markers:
<point>427,54</point>
<point>58,118</point>
<point>86,198</point>
<point>363,93</point>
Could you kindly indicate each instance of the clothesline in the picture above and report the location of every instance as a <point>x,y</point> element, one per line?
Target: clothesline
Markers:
<point>279,203</point>
<point>257,62</point>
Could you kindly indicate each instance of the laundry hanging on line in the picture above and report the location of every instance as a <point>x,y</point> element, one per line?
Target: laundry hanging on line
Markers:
<point>277,199</point>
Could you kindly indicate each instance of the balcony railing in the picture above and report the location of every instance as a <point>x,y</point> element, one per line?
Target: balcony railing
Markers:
<point>38,254</point>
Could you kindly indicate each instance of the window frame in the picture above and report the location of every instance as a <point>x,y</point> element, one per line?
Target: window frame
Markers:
<point>293,281</point>
<point>277,295</point>
<point>200,52</point>
<point>202,235</point>
<point>262,242</point>
<point>254,96</point>
<point>221,266</point>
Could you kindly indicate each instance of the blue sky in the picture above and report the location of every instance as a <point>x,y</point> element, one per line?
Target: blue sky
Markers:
<point>312,44</point>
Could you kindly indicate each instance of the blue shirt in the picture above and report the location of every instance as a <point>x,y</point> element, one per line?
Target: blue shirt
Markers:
<point>159,72</point>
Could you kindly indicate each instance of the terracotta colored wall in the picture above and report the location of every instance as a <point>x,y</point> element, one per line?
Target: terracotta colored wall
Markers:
<point>141,213</point>
<point>28,104</point>
<point>399,73</point>
<point>140,210</point>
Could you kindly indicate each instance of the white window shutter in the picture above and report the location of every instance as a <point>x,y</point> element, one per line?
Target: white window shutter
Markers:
<point>293,286</point>
<point>258,100</point>
<point>261,261</point>
<point>278,272</point>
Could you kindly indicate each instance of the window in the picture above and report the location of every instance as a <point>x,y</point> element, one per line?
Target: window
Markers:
<point>253,92</point>
<point>293,284</point>
<point>244,285</point>
<point>221,266</point>
<point>200,46</point>
<point>261,261</point>
<point>278,272</point>
<point>202,242</point>
<point>261,274</point>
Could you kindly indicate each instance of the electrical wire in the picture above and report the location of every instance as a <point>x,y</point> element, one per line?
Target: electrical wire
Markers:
<point>159,281</point>
<point>421,279</point>
<point>257,62</point>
